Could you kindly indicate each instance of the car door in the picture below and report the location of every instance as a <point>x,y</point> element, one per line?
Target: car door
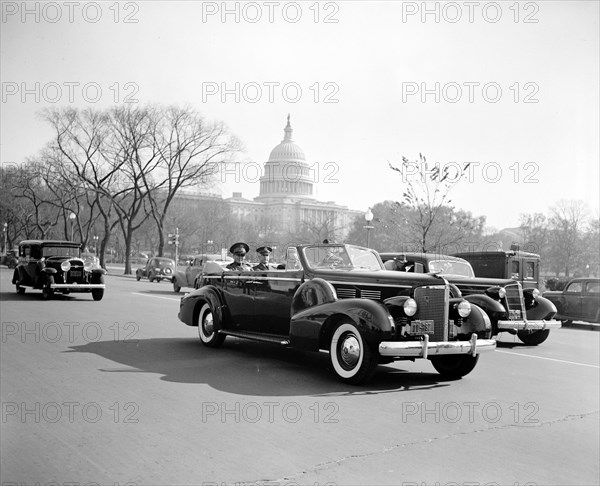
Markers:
<point>572,299</point>
<point>590,301</point>
<point>238,292</point>
<point>273,293</point>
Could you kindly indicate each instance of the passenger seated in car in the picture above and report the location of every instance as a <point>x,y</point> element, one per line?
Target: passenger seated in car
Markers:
<point>264,253</point>
<point>239,264</point>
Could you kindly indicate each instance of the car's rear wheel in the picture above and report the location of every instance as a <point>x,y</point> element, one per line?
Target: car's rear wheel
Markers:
<point>20,290</point>
<point>138,277</point>
<point>534,338</point>
<point>352,358</point>
<point>151,277</point>
<point>47,291</point>
<point>454,366</point>
<point>206,328</point>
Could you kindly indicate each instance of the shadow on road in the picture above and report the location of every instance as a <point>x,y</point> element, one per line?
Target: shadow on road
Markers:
<point>250,368</point>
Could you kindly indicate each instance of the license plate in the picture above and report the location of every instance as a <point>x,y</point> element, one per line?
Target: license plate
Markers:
<point>514,315</point>
<point>75,273</point>
<point>421,327</point>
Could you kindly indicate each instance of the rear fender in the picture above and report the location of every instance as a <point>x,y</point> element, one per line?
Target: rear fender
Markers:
<point>312,328</point>
<point>193,302</point>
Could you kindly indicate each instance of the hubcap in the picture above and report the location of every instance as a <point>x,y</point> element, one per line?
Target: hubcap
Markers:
<point>350,351</point>
<point>208,324</point>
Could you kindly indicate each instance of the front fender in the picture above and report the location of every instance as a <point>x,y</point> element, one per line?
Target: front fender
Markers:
<point>100,271</point>
<point>311,328</point>
<point>477,322</point>
<point>488,304</point>
<point>192,303</point>
<point>48,270</point>
<point>543,309</point>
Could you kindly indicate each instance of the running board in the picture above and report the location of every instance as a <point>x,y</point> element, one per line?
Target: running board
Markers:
<point>257,337</point>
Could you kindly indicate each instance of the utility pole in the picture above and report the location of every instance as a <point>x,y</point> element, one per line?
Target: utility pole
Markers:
<point>174,240</point>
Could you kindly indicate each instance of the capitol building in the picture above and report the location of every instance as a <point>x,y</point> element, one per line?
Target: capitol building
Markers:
<point>286,195</point>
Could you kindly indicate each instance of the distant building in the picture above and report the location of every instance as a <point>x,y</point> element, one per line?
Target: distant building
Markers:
<point>286,195</point>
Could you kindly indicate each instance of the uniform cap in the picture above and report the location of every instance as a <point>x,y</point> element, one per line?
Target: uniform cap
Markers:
<point>239,246</point>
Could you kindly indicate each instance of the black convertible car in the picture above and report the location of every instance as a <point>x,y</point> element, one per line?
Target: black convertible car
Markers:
<point>340,299</point>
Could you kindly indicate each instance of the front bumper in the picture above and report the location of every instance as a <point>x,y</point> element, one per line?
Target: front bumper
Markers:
<point>422,349</point>
<point>528,325</point>
<point>74,287</point>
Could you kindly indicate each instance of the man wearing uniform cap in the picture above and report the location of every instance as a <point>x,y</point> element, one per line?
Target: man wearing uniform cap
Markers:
<point>264,252</point>
<point>239,263</point>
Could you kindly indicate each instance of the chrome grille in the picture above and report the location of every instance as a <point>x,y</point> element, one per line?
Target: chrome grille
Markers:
<point>345,293</point>
<point>515,302</point>
<point>370,294</point>
<point>432,304</point>
<point>75,273</point>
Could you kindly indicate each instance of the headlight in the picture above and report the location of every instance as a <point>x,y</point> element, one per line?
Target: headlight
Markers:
<point>496,292</point>
<point>87,266</point>
<point>410,307</point>
<point>167,270</point>
<point>535,293</point>
<point>65,266</point>
<point>464,308</point>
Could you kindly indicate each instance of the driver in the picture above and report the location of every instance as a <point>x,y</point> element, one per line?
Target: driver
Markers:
<point>239,264</point>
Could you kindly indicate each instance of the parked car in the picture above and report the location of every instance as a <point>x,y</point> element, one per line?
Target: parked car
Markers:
<point>156,269</point>
<point>187,277</point>
<point>510,308</point>
<point>580,300</point>
<point>340,299</point>
<point>10,258</point>
<point>56,266</point>
<point>522,266</point>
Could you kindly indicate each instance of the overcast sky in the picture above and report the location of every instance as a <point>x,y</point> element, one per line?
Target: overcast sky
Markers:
<point>512,87</point>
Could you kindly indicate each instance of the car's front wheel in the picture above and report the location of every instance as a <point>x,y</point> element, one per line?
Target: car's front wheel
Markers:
<point>20,290</point>
<point>534,338</point>
<point>454,366</point>
<point>352,358</point>
<point>206,328</point>
<point>176,286</point>
<point>47,290</point>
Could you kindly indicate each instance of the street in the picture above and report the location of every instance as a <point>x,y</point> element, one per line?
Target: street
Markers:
<point>121,392</point>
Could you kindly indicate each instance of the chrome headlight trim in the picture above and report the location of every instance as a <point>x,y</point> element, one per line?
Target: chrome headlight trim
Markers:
<point>410,307</point>
<point>464,308</point>
<point>65,266</point>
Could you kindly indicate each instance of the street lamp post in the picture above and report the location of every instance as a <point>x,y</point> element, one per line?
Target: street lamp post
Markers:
<point>5,233</point>
<point>72,217</point>
<point>95,238</point>
<point>368,227</point>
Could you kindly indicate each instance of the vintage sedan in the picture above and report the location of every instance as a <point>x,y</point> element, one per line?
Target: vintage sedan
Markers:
<point>156,269</point>
<point>510,307</point>
<point>187,277</point>
<point>56,266</point>
<point>339,298</point>
<point>578,301</point>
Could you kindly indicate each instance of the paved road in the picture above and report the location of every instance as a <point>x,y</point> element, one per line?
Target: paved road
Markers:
<point>119,391</point>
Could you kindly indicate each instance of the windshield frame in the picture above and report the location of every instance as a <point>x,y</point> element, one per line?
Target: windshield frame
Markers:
<point>340,257</point>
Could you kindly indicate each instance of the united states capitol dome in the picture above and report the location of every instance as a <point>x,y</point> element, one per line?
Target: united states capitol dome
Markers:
<point>286,173</point>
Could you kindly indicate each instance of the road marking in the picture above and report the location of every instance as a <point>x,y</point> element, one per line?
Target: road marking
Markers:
<point>549,359</point>
<point>156,296</point>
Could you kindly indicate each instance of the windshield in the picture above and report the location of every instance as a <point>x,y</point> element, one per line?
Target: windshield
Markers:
<point>63,251</point>
<point>341,257</point>
<point>451,267</point>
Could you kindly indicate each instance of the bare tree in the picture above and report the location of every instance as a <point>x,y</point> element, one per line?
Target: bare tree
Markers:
<point>426,192</point>
<point>568,220</point>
